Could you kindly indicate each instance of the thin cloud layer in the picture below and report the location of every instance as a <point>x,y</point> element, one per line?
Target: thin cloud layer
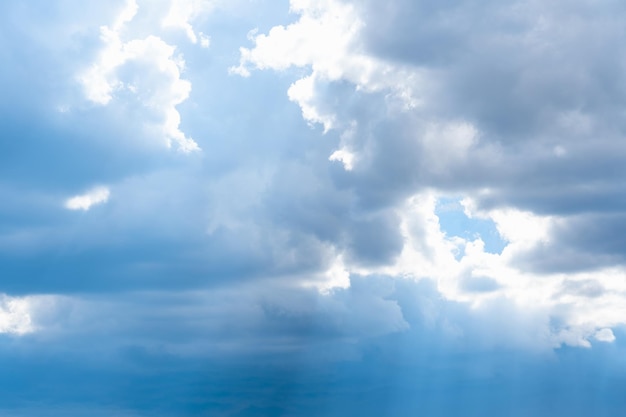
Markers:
<point>98,195</point>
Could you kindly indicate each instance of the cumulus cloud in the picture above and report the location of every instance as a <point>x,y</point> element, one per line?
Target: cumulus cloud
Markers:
<point>326,39</point>
<point>15,317</point>
<point>146,67</point>
<point>457,118</point>
<point>605,335</point>
<point>182,12</point>
<point>95,196</point>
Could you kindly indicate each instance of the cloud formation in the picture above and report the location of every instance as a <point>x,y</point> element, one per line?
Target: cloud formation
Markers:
<point>95,196</point>
<point>15,315</point>
<point>156,80</point>
<point>409,121</point>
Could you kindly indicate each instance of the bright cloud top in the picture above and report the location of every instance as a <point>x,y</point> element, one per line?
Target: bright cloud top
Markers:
<point>326,39</point>
<point>157,79</point>
<point>585,303</point>
<point>15,317</point>
<point>95,196</point>
<point>180,15</point>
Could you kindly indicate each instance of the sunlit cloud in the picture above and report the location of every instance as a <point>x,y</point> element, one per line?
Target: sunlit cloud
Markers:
<point>95,196</point>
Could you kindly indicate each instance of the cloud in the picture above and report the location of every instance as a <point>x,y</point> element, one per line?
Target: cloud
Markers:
<point>180,14</point>
<point>147,68</point>
<point>15,315</point>
<point>326,39</point>
<point>444,101</point>
<point>305,266</point>
<point>95,196</point>
<point>605,335</point>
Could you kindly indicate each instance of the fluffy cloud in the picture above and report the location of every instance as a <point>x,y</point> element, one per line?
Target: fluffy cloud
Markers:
<point>15,316</point>
<point>393,120</point>
<point>325,38</point>
<point>98,195</point>
<point>155,78</point>
<point>182,12</point>
<point>411,117</point>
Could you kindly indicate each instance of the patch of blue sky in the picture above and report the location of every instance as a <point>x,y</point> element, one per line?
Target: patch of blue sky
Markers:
<point>454,222</point>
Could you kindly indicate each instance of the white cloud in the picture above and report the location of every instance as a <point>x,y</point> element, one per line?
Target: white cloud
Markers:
<point>587,304</point>
<point>326,39</point>
<point>182,12</point>
<point>95,196</point>
<point>156,79</point>
<point>605,335</point>
<point>205,40</point>
<point>518,227</point>
<point>345,157</point>
<point>15,317</point>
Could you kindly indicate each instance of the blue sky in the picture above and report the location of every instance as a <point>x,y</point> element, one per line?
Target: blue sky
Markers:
<point>312,208</point>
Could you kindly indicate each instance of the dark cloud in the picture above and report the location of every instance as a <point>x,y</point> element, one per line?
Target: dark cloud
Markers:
<point>541,84</point>
<point>376,240</point>
<point>583,242</point>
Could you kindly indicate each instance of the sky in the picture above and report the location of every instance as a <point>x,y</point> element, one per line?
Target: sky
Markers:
<point>285,208</point>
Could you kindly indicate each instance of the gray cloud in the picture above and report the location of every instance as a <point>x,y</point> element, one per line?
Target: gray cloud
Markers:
<point>541,84</point>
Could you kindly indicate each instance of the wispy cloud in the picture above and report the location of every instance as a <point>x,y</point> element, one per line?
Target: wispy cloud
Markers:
<point>95,196</point>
